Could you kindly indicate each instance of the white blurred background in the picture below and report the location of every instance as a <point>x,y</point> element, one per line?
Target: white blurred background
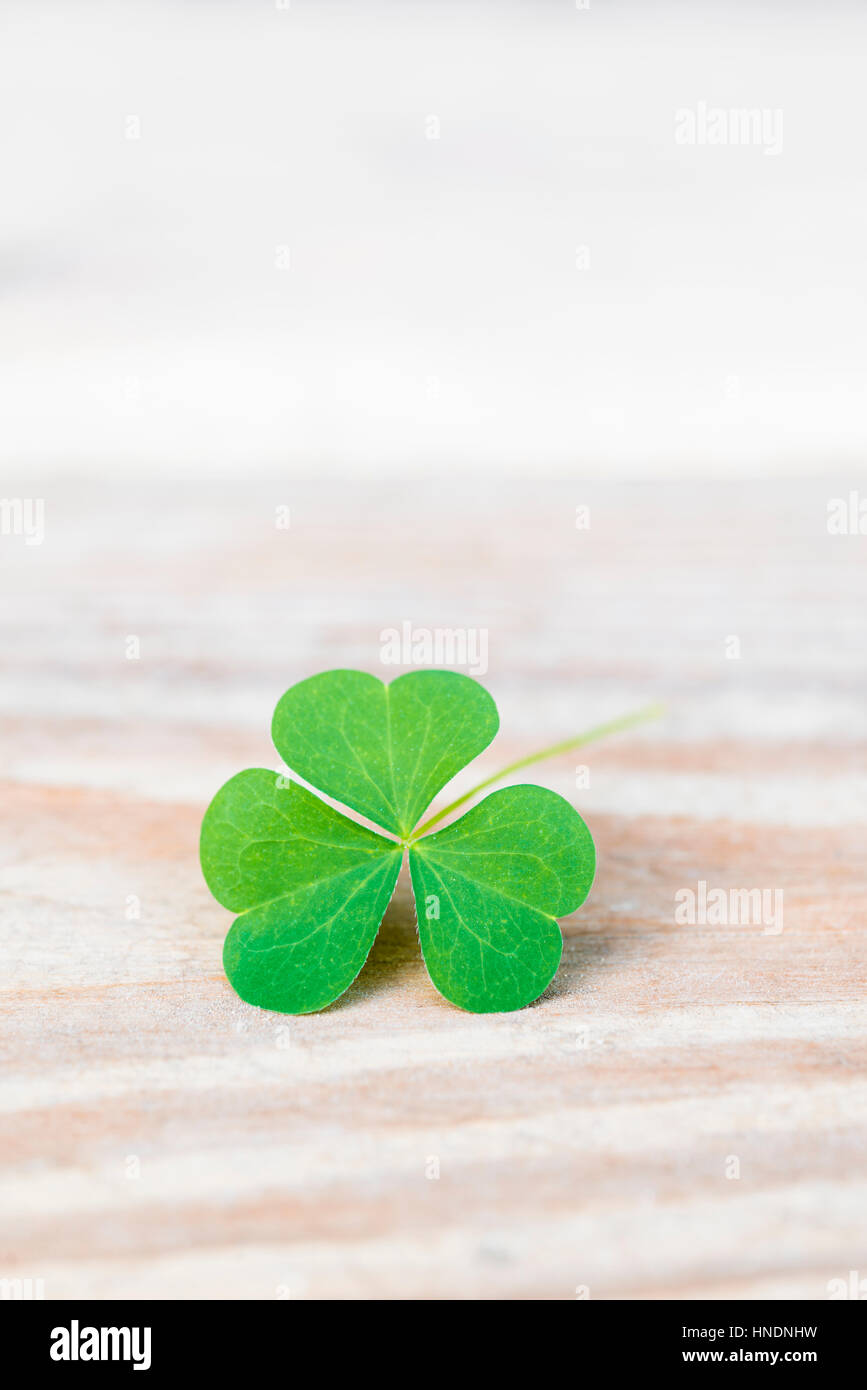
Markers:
<point>375,238</point>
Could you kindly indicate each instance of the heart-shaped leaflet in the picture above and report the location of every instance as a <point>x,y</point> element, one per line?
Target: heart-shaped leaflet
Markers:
<point>384,750</point>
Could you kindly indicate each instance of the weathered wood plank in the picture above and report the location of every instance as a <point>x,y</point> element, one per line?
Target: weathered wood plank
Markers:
<point>159,1138</point>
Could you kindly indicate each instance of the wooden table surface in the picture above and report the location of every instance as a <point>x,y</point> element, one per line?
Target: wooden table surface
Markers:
<point>681,1114</point>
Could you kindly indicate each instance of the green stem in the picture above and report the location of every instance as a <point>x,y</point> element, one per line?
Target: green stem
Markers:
<point>615,726</point>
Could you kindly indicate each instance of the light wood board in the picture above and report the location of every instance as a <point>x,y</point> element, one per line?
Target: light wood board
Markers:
<point>682,1114</point>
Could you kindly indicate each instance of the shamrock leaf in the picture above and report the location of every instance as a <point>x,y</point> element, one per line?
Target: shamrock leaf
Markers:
<point>311,885</point>
<point>489,889</point>
<point>384,750</point>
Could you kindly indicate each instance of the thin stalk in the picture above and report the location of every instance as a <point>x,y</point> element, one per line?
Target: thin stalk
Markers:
<point>614,726</point>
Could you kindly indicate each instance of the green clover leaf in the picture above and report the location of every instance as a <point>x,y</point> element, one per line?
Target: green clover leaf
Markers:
<point>384,750</point>
<point>311,885</point>
<point>497,880</point>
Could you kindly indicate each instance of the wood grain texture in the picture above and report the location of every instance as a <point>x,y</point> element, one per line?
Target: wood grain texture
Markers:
<point>159,1138</point>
